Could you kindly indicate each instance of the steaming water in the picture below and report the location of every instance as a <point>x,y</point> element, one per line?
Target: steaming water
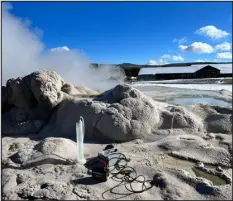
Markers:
<point>203,100</point>
<point>21,41</point>
<point>214,87</point>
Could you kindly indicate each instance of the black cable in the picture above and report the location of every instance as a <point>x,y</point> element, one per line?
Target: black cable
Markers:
<point>126,172</point>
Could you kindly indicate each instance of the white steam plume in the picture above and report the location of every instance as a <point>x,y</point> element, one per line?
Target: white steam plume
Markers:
<point>23,52</point>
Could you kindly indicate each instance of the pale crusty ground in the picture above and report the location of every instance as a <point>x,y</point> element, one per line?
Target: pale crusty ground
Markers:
<point>157,154</point>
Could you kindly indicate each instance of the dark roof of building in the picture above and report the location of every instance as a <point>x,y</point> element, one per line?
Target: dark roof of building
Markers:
<point>224,68</point>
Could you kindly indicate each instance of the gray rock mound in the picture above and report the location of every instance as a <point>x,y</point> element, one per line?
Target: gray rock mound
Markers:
<point>78,90</point>
<point>86,91</point>
<point>219,123</point>
<point>17,93</point>
<point>38,88</point>
<point>62,147</point>
<point>28,101</point>
<point>180,117</point>
<point>50,150</point>
<point>121,114</point>
<point>46,87</point>
<point>216,119</point>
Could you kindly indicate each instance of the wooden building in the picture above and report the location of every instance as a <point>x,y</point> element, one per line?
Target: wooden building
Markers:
<point>187,72</point>
<point>207,72</point>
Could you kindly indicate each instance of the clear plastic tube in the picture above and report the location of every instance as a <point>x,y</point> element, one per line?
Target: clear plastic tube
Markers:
<point>80,132</point>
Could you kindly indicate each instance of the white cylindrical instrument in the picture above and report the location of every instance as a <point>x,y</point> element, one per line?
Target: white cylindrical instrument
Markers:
<point>80,132</point>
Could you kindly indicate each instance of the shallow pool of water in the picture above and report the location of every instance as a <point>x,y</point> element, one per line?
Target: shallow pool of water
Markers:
<point>215,179</point>
<point>197,100</point>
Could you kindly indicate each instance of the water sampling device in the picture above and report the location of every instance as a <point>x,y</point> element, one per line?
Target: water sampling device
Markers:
<point>80,132</point>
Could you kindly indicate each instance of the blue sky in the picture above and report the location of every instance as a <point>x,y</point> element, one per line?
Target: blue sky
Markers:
<point>134,32</point>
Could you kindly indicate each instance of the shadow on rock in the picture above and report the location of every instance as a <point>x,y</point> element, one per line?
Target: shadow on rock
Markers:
<point>87,181</point>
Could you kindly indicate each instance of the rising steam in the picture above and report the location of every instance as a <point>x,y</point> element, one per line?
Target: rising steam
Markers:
<point>23,52</point>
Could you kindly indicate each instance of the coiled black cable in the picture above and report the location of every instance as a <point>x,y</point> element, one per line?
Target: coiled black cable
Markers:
<point>128,175</point>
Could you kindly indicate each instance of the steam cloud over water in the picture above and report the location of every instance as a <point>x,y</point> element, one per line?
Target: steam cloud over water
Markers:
<point>23,52</point>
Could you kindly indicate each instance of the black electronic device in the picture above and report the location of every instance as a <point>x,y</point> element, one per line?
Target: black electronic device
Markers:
<point>100,173</point>
<point>101,169</point>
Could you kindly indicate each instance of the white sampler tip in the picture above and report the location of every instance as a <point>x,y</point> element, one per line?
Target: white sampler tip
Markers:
<point>80,132</point>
